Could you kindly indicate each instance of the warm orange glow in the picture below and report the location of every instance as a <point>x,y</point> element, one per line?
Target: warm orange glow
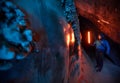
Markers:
<point>64,29</point>
<point>99,37</point>
<point>98,21</point>
<point>104,21</point>
<point>68,25</point>
<point>68,39</point>
<point>79,51</point>
<point>73,38</point>
<point>89,37</point>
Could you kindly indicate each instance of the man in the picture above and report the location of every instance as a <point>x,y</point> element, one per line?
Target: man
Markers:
<point>102,47</point>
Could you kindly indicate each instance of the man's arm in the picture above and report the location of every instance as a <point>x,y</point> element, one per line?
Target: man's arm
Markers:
<point>93,44</point>
<point>107,48</point>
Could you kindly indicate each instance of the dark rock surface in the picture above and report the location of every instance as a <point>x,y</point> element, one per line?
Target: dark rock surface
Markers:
<point>104,14</point>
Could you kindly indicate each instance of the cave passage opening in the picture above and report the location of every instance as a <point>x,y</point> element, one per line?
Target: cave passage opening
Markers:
<point>87,25</point>
<point>88,29</point>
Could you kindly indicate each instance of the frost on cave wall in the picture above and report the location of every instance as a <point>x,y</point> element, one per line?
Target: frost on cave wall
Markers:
<point>15,36</point>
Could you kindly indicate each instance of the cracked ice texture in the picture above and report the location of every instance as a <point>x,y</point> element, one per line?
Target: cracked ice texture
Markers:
<point>14,32</point>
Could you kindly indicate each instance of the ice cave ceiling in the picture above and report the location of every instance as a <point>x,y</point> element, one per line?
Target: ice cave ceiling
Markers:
<point>104,14</point>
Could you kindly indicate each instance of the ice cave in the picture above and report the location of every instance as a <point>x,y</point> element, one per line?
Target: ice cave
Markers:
<point>59,41</point>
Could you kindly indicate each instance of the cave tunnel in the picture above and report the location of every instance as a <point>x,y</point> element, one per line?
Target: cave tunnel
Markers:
<point>87,25</point>
<point>46,41</point>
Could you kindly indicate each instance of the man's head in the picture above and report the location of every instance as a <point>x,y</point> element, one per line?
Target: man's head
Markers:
<point>100,36</point>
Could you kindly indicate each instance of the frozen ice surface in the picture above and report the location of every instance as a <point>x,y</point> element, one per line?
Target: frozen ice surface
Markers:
<point>28,34</point>
<point>6,54</point>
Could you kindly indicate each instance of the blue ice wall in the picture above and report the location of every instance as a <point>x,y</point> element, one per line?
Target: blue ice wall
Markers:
<point>47,20</point>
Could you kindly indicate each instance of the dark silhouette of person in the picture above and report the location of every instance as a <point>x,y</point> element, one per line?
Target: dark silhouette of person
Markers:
<point>102,47</point>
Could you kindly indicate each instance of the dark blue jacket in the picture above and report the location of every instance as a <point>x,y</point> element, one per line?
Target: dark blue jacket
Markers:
<point>102,45</point>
